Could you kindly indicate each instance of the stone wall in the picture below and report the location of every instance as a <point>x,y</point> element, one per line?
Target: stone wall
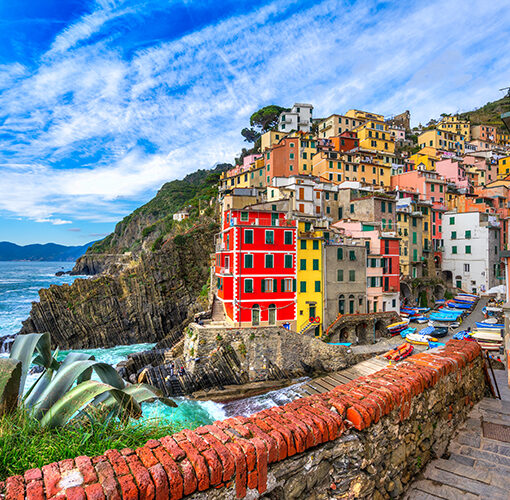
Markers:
<point>364,439</point>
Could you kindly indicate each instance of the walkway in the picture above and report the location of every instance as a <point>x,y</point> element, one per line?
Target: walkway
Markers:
<point>477,463</point>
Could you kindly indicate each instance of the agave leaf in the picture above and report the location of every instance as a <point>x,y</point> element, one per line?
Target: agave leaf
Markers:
<point>34,393</point>
<point>23,350</point>
<point>76,398</point>
<point>141,393</point>
<point>79,356</point>
<point>65,378</point>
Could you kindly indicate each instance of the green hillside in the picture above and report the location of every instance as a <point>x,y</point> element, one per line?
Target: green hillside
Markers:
<point>489,114</point>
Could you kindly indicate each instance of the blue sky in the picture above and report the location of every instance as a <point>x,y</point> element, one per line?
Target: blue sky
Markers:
<point>102,102</point>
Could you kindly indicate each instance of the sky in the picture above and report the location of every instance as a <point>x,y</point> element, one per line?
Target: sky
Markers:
<point>101,102</point>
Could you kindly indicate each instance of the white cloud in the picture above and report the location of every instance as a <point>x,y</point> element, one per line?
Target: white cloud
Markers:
<point>94,126</point>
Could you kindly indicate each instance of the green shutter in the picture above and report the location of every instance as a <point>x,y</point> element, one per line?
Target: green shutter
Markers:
<point>263,286</point>
<point>294,285</point>
<point>340,253</point>
<point>282,285</point>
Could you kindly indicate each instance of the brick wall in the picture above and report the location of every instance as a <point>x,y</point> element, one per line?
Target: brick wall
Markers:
<point>365,439</point>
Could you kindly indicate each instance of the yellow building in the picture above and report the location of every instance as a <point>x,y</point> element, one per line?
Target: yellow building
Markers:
<point>364,115</point>
<point>238,178</point>
<point>310,285</point>
<point>440,139</point>
<point>503,167</point>
<point>410,231</point>
<point>375,135</point>
<point>270,138</point>
<point>456,125</point>
<point>427,156</point>
<point>307,147</point>
<point>503,138</point>
<point>336,124</point>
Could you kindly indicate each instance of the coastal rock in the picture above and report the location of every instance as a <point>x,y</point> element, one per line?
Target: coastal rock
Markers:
<point>150,299</point>
<point>10,375</point>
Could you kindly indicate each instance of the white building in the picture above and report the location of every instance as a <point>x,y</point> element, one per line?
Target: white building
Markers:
<point>298,118</point>
<point>472,250</point>
<point>181,215</point>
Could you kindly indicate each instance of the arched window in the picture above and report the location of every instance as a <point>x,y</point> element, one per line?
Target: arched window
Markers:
<point>255,315</point>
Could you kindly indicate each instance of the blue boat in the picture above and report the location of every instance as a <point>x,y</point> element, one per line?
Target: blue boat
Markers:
<point>497,326</point>
<point>432,345</point>
<point>429,330</point>
<point>405,332</point>
<point>440,316</point>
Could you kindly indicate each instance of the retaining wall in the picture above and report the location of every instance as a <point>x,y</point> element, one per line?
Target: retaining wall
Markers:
<point>365,439</point>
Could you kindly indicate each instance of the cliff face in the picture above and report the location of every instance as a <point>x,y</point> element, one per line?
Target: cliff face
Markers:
<point>150,297</point>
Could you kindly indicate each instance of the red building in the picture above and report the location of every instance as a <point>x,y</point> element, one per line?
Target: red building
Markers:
<point>390,252</point>
<point>256,268</point>
<point>346,141</point>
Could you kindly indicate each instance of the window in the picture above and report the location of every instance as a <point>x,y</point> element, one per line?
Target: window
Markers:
<point>452,220</point>
<point>248,261</point>
<point>466,268</point>
<point>288,237</point>
<point>390,207</point>
<point>468,248</point>
<point>308,226</point>
<point>352,208</point>
<point>315,264</point>
<point>315,245</point>
<point>248,236</point>
<point>414,238</point>
<point>287,285</point>
<point>291,156</point>
<point>468,235</point>
<point>454,250</point>
<point>352,275</point>
<point>414,221</point>
<point>303,244</point>
<point>269,285</point>
<point>269,261</point>
<point>302,265</point>
<point>302,286</point>
<point>288,262</point>
<point>269,237</point>
<point>383,206</point>
<point>340,275</point>
<point>352,255</point>
<point>248,285</point>
<point>244,216</point>
<point>339,253</point>
<point>317,286</point>
<point>454,235</point>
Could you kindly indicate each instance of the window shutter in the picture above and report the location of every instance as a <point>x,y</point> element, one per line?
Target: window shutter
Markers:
<point>282,285</point>
<point>275,285</point>
<point>263,285</point>
<point>293,285</point>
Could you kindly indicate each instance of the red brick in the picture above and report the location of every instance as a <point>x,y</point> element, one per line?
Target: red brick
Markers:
<point>51,477</point>
<point>332,420</point>
<point>160,482</point>
<point>14,488</point>
<point>142,477</point>
<point>218,433</point>
<point>118,462</point>
<point>127,451</point>
<point>175,480</point>
<point>66,465</point>
<point>88,472</point>
<point>35,490</point>
<point>281,444</point>
<point>198,462</point>
<point>261,450</point>
<point>227,460</point>
<point>128,488</point>
<point>326,425</point>
<point>267,439</point>
<point>146,456</point>
<point>214,466</point>
<point>338,406</point>
<point>99,459</point>
<point>287,435</point>
<point>75,493</point>
<point>252,479</point>
<point>94,492</point>
<point>152,443</point>
<point>173,449</point>
<point>241,472</point>
<point>310,430</point>
<point>298,433</point>
<point>106,476</point>
<point>33,475</point>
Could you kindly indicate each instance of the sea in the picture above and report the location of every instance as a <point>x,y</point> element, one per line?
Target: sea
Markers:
<point>19,286</point>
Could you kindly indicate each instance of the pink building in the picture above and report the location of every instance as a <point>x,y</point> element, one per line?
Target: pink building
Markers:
<point>487,170</point>
<point>428,184</point>
<point>454,171</point>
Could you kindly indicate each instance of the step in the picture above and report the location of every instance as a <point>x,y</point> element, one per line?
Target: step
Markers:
<point>464,484</point>
<point>431,490</point>
<point>495,405</point>
<point>479,454</point>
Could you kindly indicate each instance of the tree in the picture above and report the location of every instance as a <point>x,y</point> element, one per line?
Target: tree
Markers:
<point>266,118</point>
<point>250,135</point>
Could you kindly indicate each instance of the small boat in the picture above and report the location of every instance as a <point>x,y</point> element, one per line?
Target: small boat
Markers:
<point>486,324</point>
<point>420,339</point>
<point>473,295</point>
<point>423,309</point>
<point>465,299</point>
<point>407,331</point>
<point>396,327</point>
<point>400,352</point>
<point>420,319</point>
<point>487,336</point>
<point>463,335</point>
<point>433,345</point>
<point>458,305</point>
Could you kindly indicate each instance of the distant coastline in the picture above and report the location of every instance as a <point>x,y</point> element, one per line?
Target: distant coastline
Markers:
<point>49,252</point>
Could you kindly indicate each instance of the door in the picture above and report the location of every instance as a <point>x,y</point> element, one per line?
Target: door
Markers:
<point>341,305</point>
<point>351,305</point>
<point>458,283</point>
<point>255,315</point>
<point>272,314</point>
<point>312,312</point>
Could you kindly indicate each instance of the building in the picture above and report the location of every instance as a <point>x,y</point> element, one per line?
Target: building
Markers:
<point>455,125</point>
<point>375,135</point>
<point>472,250</point>
<point>181,215</point>
<point>236,177</point>
<point>425,159</point>
<point>503,167</point>
<point>455,172</point>
<point>410,231</point>
<point>310,286</point>
<point>442,140</point>
<point>299,118</point>
<point>429,185</point>
<point>345,278</point>
<point>270,138</point>
<point>255,268</point>
<point>335,125</point>
<point>485,133</point>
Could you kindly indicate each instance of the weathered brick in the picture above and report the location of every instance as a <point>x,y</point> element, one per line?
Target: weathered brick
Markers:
<point>51,478</point>
<point>241,468</point>
<point>173,449</point>
<point>118,462</point>
<point>106,477</point>
<point>15,488</point>
<point>35,490</point>
<point>198,462</point>
<point>227,460</point>
<point>175,480</point>
<point>94,492</point>
<point>33,475</point>
<point>88,472</point>
<point>142,477</point>
<point>159,478</point>
<point>75,493</point>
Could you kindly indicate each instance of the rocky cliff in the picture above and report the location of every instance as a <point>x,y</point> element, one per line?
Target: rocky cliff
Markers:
<point>150,297</point>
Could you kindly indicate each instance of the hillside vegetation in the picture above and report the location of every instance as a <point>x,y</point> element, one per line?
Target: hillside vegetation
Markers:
<point>489,114</point>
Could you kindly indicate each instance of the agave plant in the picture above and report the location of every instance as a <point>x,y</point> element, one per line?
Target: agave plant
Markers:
<point>66,389</point>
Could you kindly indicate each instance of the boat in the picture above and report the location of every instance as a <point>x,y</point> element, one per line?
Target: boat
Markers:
<point>458,305</point>
<point>433,345</point>
<point>420,339</point>
<point>465,299</point>
<point>394,328</point>
<point>486,324</point>
<point>407,331</point>
<point>423,309</point>
<point>441,316</point>
<point>440,331</point>
<point>463,335</point>
<point>400,352</point>
<point>420,319</point>
<point>487,336</point>
<point>473,295</point>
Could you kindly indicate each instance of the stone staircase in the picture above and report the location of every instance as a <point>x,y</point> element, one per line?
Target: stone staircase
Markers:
<point>478,459</point>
